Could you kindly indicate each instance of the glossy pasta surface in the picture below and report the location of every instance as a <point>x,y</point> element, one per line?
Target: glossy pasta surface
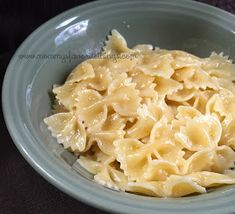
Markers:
<point>149,121</point>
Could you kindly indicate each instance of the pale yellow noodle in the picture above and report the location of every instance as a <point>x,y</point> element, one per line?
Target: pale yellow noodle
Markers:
<point>150,121</point>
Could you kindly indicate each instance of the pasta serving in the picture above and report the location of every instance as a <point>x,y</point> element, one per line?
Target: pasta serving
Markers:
<point>149,121</point>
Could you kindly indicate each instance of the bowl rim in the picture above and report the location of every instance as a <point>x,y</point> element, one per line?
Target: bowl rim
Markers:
<point>35,162</point>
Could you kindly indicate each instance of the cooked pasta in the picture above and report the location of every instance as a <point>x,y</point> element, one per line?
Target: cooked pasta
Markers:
<point>149,121</point>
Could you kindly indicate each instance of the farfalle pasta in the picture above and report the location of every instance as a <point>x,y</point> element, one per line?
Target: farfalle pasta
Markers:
<point>149,121</point>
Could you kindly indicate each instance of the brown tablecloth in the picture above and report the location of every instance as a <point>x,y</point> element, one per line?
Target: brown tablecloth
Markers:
<point>22,190</point>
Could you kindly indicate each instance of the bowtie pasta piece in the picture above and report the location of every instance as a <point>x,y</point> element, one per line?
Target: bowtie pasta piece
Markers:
<point>90,107</point>
<point>82,72</point>
<point>201,132</point>
<point>174,186</point>
<point>68,130</point>
<point>157,65</point>
<point>108,132</point>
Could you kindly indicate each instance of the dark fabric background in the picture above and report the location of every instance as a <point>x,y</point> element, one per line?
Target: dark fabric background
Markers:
<point>22,190</point>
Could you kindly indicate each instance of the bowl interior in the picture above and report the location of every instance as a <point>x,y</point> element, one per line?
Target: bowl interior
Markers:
<point>84,37</point>
<point>78,34</point>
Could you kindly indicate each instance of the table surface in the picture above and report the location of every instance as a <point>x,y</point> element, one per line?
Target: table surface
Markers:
<point>22,190</point>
